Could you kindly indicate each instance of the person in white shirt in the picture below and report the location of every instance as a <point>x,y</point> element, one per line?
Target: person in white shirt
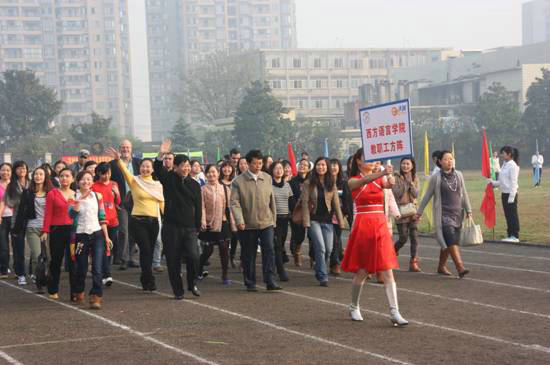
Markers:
<point>435,158</point>
<point>508,184</point>
<point>537,161</point>
<point>495,164</point>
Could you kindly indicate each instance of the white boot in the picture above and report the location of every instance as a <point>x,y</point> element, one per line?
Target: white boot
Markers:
<point>355,313</point>
<point>391,293</point>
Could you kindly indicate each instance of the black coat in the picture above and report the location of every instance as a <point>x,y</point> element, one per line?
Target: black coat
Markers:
<point>116,175</point>
<point>25,211</point>
<point>182,198</point>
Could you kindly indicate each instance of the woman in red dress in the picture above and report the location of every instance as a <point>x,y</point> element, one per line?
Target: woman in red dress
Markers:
<point>370,247</point>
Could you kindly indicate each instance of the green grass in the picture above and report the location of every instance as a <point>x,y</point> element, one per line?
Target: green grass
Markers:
<point>533,206</point>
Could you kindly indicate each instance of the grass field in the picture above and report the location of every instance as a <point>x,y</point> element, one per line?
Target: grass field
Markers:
<point>534,207</point>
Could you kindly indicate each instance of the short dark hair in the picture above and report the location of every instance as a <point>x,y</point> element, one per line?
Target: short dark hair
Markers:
<point>254,155</point>
<point>66,169</point>
<point>145,160</point>
<point>436,154</point>
<point>168,154</point>
<point>179,159</point>
<point>234,151</point>
<point>90,163</point>
<point>102,169</point>
<point>81,175</point>
<point>441,155</point>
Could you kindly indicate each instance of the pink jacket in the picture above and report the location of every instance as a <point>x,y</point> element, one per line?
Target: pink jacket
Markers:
<point>390,208</point>
<point>214,204</point>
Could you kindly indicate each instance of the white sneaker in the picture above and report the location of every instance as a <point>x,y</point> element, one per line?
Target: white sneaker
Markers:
<point>511,239</point>
<point>21,280</point>
<point>33,279</point>
<point>396,318</point>
<point>107,281</point>
<point>355,313</point>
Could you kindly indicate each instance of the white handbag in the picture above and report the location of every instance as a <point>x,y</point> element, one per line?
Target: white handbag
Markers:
<point>471,233</point>
<point>407,210</point>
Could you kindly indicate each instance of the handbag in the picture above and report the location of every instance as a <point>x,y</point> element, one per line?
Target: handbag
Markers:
<point>41,272</point>
<point>470,234</point>
<point>407,210</point>
<point>297,214</point>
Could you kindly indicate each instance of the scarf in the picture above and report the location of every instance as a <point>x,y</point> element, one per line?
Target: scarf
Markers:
<point>279,185</point>
<point>152,187</point>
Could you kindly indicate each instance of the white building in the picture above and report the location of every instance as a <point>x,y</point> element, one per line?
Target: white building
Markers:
<point>536,21</point>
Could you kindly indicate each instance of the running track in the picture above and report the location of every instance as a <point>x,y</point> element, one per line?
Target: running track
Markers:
<point>500,314</point>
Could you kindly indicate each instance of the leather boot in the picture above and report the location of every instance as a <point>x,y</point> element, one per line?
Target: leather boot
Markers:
<point>457,258</point>
<point>442,267</point>
<point>95,302</point>
<point>298,256</point>
<point>335,270</point>
<point>78,298</point>
<point>413,265</point>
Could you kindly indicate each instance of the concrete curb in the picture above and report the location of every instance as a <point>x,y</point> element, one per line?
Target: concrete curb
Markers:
<point>521,244</point>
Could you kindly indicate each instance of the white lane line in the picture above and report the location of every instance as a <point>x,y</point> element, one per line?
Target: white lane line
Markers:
<point>9,359</point>
<point>509,268</point>
<point>83,339</point>
<point>118,325</point>
<point>277,327</point>
<point>492,253</point>
<point>465,301</point>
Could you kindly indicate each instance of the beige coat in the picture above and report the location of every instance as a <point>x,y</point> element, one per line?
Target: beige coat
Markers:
<point>309,199</point>
<point>213,207</point>
<point>252,202</point>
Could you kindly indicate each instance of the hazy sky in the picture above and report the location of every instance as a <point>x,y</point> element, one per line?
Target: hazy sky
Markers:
<point>463,24</point>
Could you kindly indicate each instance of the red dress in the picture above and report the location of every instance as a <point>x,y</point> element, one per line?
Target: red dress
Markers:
<point>370,246</point>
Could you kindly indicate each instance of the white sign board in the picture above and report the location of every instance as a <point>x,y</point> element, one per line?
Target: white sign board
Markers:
<point>386,131</point>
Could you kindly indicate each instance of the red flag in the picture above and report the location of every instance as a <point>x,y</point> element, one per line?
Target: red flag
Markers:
<point>205,159</point>
<point>488,206</point>
<point>292,159</point>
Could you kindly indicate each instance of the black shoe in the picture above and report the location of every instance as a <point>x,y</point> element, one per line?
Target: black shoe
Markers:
<point>251,289</point>
<point>117,262</point>
<point>323,283</point>
<point>196,292</point>
<point>283,276</point>
<point>122,267</point>
<point>207,263</point>
<point>273,287</point>
<point>178,297</point>
<point>132,265</point>
<point>285,259</point>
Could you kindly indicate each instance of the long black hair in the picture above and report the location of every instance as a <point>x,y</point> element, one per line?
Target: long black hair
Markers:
<point>46,185</point>
<point>272,167</point>
<point>512,151</point>
<point>354,166</point>
<point>413,171</point>
<point>11,191</point>
<point>224,164</point>
<point>340,176</point>
<point>315,180</point>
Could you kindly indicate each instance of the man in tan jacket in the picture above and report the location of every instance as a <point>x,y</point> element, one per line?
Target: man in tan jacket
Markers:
<point>253,206</point>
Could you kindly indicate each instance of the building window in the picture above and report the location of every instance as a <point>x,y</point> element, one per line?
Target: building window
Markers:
<point>339,84</point>
<point>318,104</point>
<point>297,84</point>
<point>357,64</point>
<point>275,63</point>
<point>297,63</point>
<point>338,63</point>
<point>317,63</point>
<point>318,84</point>
<point>276,84</point>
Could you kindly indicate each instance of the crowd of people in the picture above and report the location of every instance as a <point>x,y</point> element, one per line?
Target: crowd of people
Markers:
<point>170,206</point>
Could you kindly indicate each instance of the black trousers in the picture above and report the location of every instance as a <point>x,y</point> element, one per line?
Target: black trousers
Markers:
<point>281,232</point>
<point>234,244</point>
<point>145,230</point>
<point>408,230</point>
<point>297,236</point>
<point>337,250</point>
<point>179,241</point>
<point>511,214</point>
<point>249,243</point>
<point>60,238</point>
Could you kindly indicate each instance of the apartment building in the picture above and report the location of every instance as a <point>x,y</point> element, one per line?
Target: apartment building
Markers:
<point>535,21</point>
<point>319,82</point>
<point>78,47</point>
<point>180,32</point>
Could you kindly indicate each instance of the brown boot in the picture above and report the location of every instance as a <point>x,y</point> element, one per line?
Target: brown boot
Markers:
<point>457,258</point>
<point>379,278</point>
<point>78,298</point>
<point>442,267</point>
<point>413,265</point>
<point>335,270</point>
<point>298,256</point>
<point>95,302</point>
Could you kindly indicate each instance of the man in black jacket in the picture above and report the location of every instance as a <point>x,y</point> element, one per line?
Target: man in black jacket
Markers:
<point>122,254</point>
<point>182,220</point>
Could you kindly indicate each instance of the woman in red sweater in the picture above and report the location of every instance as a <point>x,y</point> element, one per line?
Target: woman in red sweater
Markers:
<point>111,199</point>
<point>57,225</point>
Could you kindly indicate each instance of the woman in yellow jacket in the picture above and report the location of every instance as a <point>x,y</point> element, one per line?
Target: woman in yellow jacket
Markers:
<point>148,198</point>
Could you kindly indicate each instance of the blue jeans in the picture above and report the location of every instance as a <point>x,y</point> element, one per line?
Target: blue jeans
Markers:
<point>249,244</point>
<point>95,244</point>
<point>108,260</point>
<point>157,251</point>
<point>321,235</point>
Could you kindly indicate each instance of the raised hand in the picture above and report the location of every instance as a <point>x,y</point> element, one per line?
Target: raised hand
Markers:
<point>165,146</point>
<point>111,152</point>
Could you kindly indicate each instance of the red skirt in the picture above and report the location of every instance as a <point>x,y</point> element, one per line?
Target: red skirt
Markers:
<point>370,245</point>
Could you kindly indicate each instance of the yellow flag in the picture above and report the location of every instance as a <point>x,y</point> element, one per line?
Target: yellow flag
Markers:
<point>428,210</point>
<point>426,155</point>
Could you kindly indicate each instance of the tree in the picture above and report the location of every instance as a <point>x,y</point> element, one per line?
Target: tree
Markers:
<point>213,87</point>
<point>214,140</point>
<point>258,121</point>
<point>27,108</point>
<point>182,136</point>
<point>97,131</point>
<point>499,114</point>
<point>310,135</point>
<point>536,117</point>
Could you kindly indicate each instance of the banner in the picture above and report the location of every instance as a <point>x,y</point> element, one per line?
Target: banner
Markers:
<point>386,131</point>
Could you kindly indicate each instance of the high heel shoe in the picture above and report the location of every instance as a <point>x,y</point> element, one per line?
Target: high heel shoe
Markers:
<point>396,319</point>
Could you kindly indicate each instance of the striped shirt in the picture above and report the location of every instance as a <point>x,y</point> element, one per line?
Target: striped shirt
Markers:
<point>281,198</point>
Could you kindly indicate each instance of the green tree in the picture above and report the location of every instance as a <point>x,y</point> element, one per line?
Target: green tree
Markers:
<point>258,121</point>
<point>213,87</point>
<point>536,117</point>
<point>27,108</point>
<point>214,140</point>
<point>183,137</point>
<point>310,135</point>
<point>86,134</point>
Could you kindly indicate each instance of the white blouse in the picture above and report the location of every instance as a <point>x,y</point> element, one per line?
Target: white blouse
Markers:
<point>508,179</point>
<point>88,221</point>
